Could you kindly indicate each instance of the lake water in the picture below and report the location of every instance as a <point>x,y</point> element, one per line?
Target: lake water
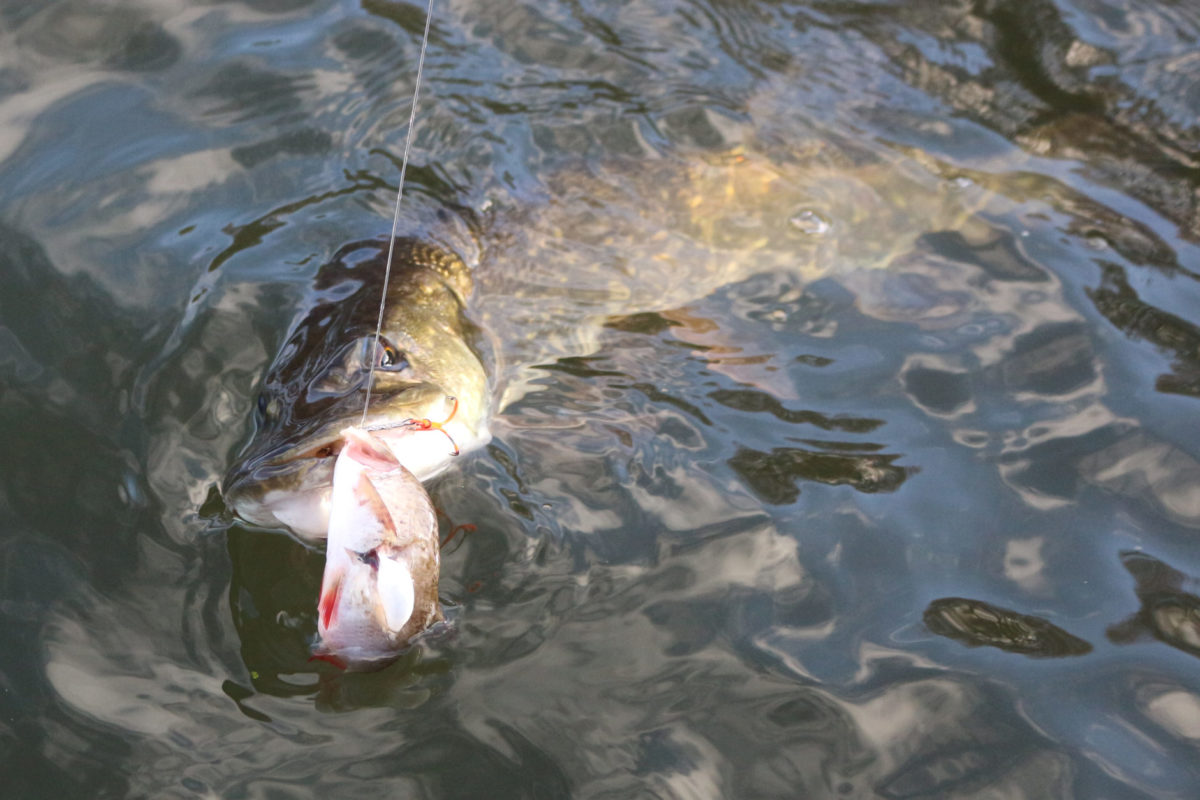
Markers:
<point>847,378</point>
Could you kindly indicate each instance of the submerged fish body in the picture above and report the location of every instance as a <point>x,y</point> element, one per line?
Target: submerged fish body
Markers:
<point>668,233</point>
<point>379,588</point>
<point>682,229</point>
<point>429,401</point>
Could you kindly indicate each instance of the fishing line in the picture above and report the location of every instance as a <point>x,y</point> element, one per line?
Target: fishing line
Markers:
<point>387,272</point>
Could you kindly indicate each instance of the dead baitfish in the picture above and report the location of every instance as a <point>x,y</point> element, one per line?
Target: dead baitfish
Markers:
<point>381,565</point>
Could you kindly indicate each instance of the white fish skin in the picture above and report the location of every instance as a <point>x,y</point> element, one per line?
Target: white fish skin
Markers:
<point>381,566</point>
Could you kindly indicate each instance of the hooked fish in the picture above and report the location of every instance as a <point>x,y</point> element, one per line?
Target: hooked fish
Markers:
<point>428,367</point>
<point>681,231</point>
<point>429,404</point>
<point>381,565</point>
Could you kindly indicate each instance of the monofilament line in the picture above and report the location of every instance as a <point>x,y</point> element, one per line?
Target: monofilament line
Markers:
<point>387,272</point>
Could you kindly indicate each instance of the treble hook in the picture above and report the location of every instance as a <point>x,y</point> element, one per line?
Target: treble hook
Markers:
<point>425,424</point>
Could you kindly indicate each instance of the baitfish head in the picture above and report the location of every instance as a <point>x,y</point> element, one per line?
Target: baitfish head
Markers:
<point>381,567</point>
<point>428,369</point>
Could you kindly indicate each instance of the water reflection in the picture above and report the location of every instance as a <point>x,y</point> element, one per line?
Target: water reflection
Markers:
<point>1168,613</point>
<point>773,475</point>
<point>1143,467</point>
<point>1120,304</point>
<point>114,37</point>
<point>1045,81</point>
<point>753,401</point>
<point>802,310</point>
<point>976,623</point>
<point>273,610</point>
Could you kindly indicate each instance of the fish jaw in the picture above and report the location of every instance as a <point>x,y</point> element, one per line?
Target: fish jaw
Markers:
<point>379,588</point>
<point>305,514</point>
<point>293,491</point>
<point>275,493</point>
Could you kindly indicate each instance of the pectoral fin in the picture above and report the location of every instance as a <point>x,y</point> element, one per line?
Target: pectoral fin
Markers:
<point>396,592</point>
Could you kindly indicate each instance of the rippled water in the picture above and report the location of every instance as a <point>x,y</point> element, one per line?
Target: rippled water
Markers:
<point>846,382</point>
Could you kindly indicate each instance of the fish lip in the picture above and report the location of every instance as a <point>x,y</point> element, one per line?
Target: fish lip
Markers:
<point>328,439</point>
<point>280,461</point>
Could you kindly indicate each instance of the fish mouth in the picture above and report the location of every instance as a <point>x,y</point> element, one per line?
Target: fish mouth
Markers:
<point>279,450</point>
<point>288,485</point>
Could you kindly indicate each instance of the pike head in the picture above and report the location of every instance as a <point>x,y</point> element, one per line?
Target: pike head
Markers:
<point>428,370</point>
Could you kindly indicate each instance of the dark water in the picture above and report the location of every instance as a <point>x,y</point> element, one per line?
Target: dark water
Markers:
<point>900,501</point>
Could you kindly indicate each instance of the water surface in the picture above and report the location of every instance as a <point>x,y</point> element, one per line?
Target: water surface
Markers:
<point>846,378</point>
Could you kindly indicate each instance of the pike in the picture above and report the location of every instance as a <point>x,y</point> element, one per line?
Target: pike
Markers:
<point>687,226</point>
<point>429,403</point>
<point>381,564</point>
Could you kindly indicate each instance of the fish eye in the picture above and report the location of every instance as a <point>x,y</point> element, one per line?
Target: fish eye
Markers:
<point>391,358</point>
